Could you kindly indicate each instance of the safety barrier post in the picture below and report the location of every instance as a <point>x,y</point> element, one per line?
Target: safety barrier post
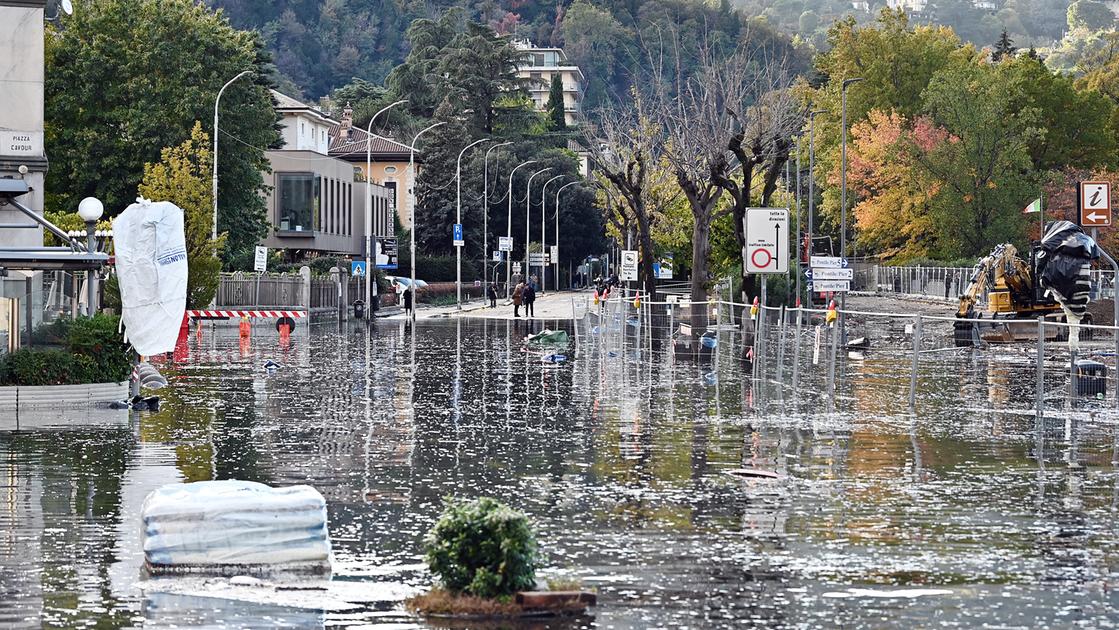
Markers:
<point>1040,390</point>
<point>1071,378</point>
<point>780,367</point>
<point>831,365</point>
<point>913,370</point>
<point>796,352</point>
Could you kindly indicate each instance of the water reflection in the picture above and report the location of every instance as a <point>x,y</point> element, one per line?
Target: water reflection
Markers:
<point>619,454</point>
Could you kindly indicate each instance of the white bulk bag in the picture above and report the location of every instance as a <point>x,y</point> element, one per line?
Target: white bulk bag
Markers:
<point>151,263</point>
<point>208,525</point>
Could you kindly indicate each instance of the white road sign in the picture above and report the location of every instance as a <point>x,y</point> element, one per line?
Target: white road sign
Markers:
<point>497,255</point>
<point>505,243</point>
<point>628,269</point>
<point>829,262</point>
<point>537,259</point>
<point>517,267</point>
<point>830,285</point>
<point>767,240</point>
<point>260,261</point>
<point>555,253</point>
<point>825,273</point>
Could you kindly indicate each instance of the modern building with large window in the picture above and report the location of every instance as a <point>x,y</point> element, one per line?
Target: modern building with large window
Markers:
<point>538,65</point>
<point>317,202</point>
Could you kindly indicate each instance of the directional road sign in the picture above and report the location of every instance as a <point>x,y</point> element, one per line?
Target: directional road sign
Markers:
<point>505,243</point>
<point>628,269</point>
<point>538,259</point>
<point>830,285</point>
<point>458,235</point>
<point>767,240</point>
<point>825,273</point>
<point>829,262</point>
<point>1095,204</point>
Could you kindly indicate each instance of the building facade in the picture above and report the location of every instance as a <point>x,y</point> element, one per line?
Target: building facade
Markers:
<point>388,162</point>
<point>316,205</point>
<point>537,67</point>
<point>22,153</point>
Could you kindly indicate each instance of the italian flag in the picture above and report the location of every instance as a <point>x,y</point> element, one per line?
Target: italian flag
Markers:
<point>1035,206</point>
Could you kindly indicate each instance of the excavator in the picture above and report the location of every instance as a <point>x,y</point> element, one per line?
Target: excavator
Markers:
<point>1014,301</point>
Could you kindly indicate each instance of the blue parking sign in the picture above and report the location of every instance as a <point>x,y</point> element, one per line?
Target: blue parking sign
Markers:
<point>458,235</point>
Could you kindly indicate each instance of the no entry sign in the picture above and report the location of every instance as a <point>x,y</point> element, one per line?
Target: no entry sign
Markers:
<point>767,240</point>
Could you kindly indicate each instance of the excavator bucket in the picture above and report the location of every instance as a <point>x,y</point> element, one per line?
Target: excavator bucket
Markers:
<point>966,332</point>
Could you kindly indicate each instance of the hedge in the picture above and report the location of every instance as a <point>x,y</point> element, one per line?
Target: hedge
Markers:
<point>92,352</point>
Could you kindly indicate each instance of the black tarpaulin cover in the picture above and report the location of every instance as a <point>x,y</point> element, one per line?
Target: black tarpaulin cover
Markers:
<point>1063,265</point>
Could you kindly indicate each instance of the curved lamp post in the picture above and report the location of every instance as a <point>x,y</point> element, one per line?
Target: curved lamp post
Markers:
<point>528,206</point>
<point>486,212</point>
<point>556,261</point>
<point>458,220</point>
<point>412,208</point>
<point>217,100</point>
<point>843,194</point>
<point>369,204</point>
<point>543,236</point>
<point>509,226</point>
<point>90,210</point>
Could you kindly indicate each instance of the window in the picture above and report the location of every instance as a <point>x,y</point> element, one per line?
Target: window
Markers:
<point>537,59</point>
<point>298,207</point>
<point>389,170</point>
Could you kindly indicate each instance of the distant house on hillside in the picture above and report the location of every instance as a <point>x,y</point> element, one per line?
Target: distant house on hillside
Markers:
<point>317,203</point>
<point>538,67</point>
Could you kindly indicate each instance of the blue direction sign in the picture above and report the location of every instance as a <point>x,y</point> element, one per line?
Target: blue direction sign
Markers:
<point>357,268</point>
<point>458,235</point>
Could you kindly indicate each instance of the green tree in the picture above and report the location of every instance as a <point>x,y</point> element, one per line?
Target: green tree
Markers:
<point>1089,15</point>
<point>984,164</point>
<point>127,77</point>
<point>557,119</point>
<point>435,184</point>
<point>1004,48</point>
<point>593,39</point>
<point>182,176</point>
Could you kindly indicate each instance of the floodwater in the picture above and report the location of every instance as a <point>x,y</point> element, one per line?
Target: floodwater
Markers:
<point>968,513</point>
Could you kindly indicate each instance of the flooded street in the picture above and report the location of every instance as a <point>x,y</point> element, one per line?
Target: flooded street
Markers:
<point>968,513</point>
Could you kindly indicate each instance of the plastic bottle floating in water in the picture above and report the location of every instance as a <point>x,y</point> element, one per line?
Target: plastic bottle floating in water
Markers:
<point>554,358</point>
<point>710,378</point>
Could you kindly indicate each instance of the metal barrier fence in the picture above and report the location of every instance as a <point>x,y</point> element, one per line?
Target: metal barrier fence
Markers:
<point>943,282</point>
<point>803,354</point>
<point>260,290</point>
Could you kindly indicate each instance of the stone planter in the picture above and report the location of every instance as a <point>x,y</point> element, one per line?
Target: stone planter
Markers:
<point>62,395</point>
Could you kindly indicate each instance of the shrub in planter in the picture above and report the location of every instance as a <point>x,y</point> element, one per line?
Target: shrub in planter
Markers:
<point>482,548</point>
<point>29,366</point>
<point>97,339</point>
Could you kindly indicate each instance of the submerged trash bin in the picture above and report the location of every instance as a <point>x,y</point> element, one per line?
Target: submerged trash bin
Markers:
<point>359,309</point>
<point>1091,378</point>
<point>235,527</point>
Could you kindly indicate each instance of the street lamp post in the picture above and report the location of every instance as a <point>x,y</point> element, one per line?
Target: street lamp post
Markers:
<point>811,185</point>
<point>528,206</point>
<point>458,220</point>
<point>90,210</point>
<point>556,261</point>
<point>509,227</point>
<point>214,191</point>
<point>412,209</point>
<point>369,276</point>
<point>543,237</point>
<point>843,183</point>
<point>486,214</point>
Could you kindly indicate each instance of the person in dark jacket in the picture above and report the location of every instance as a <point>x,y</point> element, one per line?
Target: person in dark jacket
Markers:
<point>491,293</point>
<point>528,297</point>
<point>407,296</point>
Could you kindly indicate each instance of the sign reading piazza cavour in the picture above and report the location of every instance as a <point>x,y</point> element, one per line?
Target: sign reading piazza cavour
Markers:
<point>21,142</point>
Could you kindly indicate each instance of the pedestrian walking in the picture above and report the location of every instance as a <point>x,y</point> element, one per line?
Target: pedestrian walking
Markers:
<point>407,296</point>
<point>518,295</point>
<point>529,298</point>
<point>491,293</point>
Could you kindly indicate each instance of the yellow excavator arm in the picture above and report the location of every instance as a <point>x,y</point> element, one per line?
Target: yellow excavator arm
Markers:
<point>1002,269</point>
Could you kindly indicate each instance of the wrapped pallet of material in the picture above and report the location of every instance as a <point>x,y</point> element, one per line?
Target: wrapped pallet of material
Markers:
<point>233,527</point>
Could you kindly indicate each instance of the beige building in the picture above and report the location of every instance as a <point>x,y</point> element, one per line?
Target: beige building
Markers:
<point>317,202</point>
<point>538,66</point>
<point>388,161</point>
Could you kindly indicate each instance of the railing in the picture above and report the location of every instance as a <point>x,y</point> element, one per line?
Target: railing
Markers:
<point>944,282</point>
<point>263,291</point>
